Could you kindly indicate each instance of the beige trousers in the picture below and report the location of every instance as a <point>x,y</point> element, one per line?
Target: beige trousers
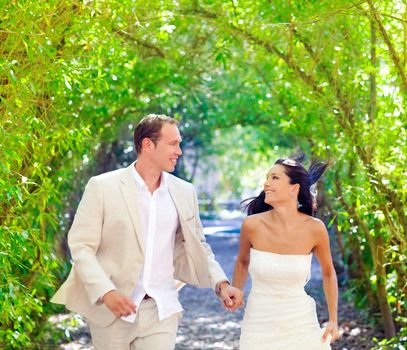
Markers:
<point>146,333</point>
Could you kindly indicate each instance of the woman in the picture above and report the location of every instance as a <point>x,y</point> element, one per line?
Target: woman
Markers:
<point>277,242</point>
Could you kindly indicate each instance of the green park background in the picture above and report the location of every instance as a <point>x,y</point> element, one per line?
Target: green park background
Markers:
<point>249,80</point>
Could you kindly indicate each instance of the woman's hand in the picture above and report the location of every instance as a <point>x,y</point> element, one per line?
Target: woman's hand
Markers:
<point>331,329</point>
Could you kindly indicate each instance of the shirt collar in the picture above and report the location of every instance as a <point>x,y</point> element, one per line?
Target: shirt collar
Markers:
<point>141,185</point>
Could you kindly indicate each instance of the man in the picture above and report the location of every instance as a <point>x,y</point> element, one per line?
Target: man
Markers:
<point>135,230</point>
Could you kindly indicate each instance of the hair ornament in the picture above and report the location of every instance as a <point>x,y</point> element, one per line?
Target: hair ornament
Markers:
<point>313,190</point>
<point>289,162</point>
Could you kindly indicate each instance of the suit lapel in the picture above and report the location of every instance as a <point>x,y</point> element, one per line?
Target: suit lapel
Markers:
<point>129,192</point>
<point>177,198</point>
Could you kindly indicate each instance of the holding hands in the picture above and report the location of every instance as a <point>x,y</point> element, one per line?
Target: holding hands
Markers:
<point>232,297</point>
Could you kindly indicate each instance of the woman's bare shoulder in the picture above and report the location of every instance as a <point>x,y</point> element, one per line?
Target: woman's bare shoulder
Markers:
<point>316,226</point>
<point>254,219</point>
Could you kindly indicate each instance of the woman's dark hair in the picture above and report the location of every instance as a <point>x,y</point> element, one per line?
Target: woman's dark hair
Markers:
<point>298,175</point>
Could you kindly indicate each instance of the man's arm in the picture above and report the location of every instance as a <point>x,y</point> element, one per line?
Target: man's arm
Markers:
<point>215,271</point>
<point>232,297</point>
<point>84,240</point>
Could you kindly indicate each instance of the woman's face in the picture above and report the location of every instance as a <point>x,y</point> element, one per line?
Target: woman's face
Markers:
<point>277,186</point>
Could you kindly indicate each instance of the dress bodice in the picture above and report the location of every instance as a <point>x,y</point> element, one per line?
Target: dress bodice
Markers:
<point>274,273</point>
<point>279,314</point>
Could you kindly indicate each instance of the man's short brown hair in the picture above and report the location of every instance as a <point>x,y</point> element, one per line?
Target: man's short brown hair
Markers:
<point>150,127</point>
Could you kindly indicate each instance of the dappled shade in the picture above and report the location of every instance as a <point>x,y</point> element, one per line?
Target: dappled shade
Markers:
<point>249,81</point>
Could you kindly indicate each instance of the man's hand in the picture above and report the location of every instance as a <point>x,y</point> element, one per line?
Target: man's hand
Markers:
<point>119,304</point>
<point>232,297</point>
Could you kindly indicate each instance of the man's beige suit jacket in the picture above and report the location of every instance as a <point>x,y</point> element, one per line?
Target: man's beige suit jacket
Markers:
<point>107,244</point>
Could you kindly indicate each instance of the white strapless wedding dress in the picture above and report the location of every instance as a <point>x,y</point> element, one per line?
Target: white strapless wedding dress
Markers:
<point>279,314</point>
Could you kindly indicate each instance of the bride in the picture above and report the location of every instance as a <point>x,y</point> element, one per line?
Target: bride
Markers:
<point>277,242</point>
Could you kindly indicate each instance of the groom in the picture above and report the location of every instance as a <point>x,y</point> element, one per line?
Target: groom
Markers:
<point>135,230</point>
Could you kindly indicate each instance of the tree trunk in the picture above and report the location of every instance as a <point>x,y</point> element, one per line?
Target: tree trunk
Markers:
<point>388,322</point>
<point>386,38</point>
<point>361,273</point>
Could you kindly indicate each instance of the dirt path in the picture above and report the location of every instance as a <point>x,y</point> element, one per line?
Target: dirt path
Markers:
<point>206,325</point>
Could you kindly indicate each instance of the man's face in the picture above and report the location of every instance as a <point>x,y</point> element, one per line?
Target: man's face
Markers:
<point>167,150</point>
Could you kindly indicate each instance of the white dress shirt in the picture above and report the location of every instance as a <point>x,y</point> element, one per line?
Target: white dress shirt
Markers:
<point>159,221</point>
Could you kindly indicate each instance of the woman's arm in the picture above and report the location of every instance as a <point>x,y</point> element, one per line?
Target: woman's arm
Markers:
<point>330,284</point>
<point>243,258</point>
